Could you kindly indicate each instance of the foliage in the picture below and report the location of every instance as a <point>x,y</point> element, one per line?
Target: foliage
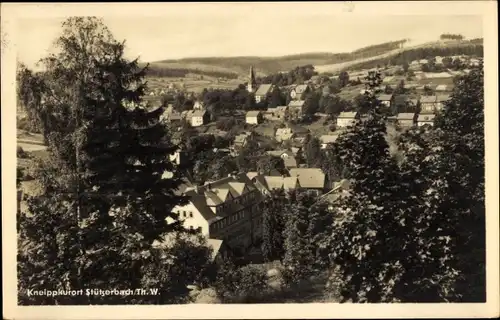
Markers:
<point>448,36</point>
<point>268,163</point>
<point>415,232</point>
<point>299,252</point>
<point>295,76</point>
<point>21,153</point>
<point>343,79</point>
<point>225,124</point>
<point>273,208</point>
<point>236,285</point>
<point>312,152</point>
<point>104,200</point>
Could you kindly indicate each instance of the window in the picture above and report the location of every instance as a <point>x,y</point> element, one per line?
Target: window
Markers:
<point>190,214</point>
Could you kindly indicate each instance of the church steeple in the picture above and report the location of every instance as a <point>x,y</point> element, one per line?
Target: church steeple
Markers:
<point>251,80</point>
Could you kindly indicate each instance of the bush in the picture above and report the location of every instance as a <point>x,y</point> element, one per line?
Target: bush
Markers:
<point>245,284</point>
<point>333,128</point>
<point>21,153</point>
<point>225,124</point>
<point>325,123</point>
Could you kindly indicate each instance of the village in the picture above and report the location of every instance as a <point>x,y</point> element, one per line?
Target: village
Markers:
<point>226,210</point>
<point>250,179</point>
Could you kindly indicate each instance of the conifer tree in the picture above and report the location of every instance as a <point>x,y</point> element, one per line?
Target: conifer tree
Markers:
<point>360,244</point>
<point>299,254</point>
<point>108,185</point>
<point>273,209</point>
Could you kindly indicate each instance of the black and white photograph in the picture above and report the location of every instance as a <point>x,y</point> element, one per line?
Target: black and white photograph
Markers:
<point>285,154</point>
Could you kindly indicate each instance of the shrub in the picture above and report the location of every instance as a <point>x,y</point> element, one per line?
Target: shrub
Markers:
<point>225,124</point>
<point>244,284</point>
<point>21,153</point>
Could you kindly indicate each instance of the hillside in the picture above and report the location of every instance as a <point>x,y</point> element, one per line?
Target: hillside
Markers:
<point>238,66</point>
<point>409,53</point>
<point>367,57</point>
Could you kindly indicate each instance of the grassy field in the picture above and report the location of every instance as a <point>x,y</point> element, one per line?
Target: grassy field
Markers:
<point>192,84</point>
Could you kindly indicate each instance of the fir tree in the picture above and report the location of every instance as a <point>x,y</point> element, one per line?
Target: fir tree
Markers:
<point>273,209</point>
<point>299,255</point>
<point>360,245</point>
<point>108,186</point>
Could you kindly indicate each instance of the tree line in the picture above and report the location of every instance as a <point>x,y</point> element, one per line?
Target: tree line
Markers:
<point>450,36</point>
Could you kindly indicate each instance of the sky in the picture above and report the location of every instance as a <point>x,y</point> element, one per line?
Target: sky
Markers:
<point>159,37</point>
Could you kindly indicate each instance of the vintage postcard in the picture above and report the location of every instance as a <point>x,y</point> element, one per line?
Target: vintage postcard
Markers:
<point>250,160</point>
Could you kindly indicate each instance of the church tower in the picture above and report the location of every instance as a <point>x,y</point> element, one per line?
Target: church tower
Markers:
<point>251,81</point>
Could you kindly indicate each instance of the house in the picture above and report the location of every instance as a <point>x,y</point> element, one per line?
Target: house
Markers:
<point>226,209</point>
<point>327,139</point>
<point>425,119</point>
<point>288,157</point>
<point>276,114</point>
<point>439,60</point>
<point>313,179</point>
<point>428,104</point>
<point>253,117</point>
<point>385,99</point>
<point>406,119</point>
<point>198,105</point>
<point>263,92</point>
<point>284,134</point>
<point>437,75</point>
<point>266,184</point>
<point>474,62</point>
<point>295,109</point>
<point>440,100</point>
<point>170,115</point>
<point>423,61</point>
<point>178,157</point>
<point>347,119</point>
<point>300,91</point>
<point>388,79</point>
<point>241,140</point>
<point>198,117</point>
<point>442,87</point>
<point>298,131</point>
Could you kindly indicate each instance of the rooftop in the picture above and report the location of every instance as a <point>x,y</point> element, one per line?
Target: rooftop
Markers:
<point>253,113</point>
<point>263,89</point>
<point>313,178</point>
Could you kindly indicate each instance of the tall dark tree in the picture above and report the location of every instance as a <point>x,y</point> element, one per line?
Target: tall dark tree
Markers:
<point>343,79</point>
<point>275,99</point>
<point>359,244</point>
<point>274,217</point>
<point>312,152</point>
<point>108,186</point>
<point>299,254</point>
